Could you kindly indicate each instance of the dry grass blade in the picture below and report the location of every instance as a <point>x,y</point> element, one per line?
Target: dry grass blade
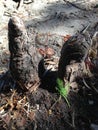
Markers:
<point>33,87</point>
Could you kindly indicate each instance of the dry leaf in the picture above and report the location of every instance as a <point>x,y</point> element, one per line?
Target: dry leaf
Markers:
<point>66,37</point>
<point>31,115</point>
<point>41,51</point>
<point>49,52</point>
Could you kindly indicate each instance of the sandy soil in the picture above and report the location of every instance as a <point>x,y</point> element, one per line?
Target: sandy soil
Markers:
<point>49,16</point>
<point>46,16</point>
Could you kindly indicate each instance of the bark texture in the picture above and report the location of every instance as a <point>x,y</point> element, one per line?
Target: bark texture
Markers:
<point>74,50</point>
<point>79,57</point>
<point>23,55</point>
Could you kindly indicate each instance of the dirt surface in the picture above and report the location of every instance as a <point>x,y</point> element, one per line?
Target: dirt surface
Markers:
<point>49,23</point>
<point>46,16</point>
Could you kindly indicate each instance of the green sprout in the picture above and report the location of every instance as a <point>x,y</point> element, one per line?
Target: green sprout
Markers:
<point>63,90</point>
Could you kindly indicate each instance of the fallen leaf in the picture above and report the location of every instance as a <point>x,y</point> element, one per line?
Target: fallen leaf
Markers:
<point>41,51</point>
<point>31,115</point>
<point>66,37</point>
<point>49,51</point>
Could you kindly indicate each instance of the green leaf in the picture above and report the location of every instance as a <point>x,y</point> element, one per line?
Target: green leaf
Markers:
<point>63,90</point>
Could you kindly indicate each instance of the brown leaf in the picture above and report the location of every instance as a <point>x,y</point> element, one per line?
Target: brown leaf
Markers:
<point>41,51</point>
<point>49,52</point>
<point>66,37</point>
<point>31,115</point>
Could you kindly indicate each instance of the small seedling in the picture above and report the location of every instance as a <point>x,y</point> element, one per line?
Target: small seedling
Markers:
<point>63,90</point>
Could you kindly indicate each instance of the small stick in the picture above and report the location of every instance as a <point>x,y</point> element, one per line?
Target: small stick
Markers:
<point>20,4</point>
<point>74,5</point>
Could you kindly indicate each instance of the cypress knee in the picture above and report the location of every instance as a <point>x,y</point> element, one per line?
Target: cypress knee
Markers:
<point>23,59</point>
<point>73,52</point>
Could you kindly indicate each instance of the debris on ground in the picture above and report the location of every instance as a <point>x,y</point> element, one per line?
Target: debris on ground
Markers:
<point>55,49</point>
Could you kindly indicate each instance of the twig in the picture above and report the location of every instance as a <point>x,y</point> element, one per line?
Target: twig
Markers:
<point>74,5</point>
<point>35,126</point>
<point>73,119</point>
<point>28,2</point>
<point>86,84</point>
<point>33,87</point>
<point>95,89</point>
<point>85,28</point>
<point>20,4</point>
<point>55,102</point>
<point>6,13</point>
